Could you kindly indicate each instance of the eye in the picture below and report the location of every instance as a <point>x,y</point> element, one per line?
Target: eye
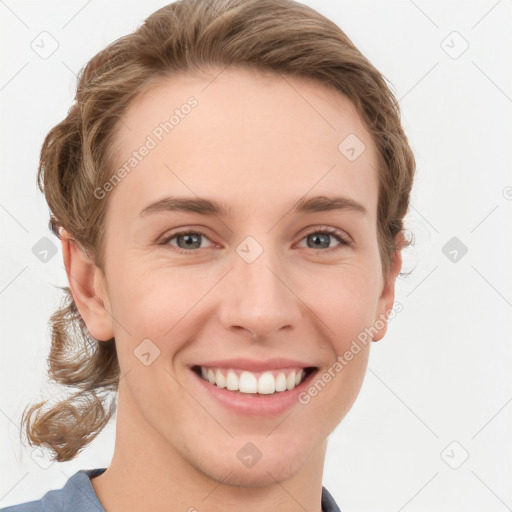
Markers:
<point>326,233</point>
<point>189,240</point>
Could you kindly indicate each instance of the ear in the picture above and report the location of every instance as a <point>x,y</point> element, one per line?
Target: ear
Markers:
<point>87,284</point>
<point>387,298</point>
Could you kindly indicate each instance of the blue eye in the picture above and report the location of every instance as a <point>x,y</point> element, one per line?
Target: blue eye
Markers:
<point>188,241</point>
<point>191,240</point>
<point>327,233</point>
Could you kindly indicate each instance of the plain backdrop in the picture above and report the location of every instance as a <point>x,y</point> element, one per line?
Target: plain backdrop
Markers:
<point>431,428</point>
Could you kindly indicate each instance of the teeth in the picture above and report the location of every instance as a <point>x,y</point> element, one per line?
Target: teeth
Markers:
<point>248,383</point>
<point>281,382</point>
<point>232,381</point>
<point>290,381</point>
<point>220,380</point>
<point>265,383</point>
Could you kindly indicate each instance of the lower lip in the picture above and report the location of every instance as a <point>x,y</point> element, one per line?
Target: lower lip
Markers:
<point>252,404</point>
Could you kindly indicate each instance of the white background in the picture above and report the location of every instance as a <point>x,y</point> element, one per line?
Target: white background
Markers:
<point>443,371</point>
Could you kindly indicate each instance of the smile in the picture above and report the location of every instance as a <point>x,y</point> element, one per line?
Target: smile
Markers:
<point>263,383</point>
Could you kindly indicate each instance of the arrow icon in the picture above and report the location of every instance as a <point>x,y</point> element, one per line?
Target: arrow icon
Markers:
<point>146,352</point>
<point>249,455</point>
<point>455,455</point>
<point>249,252</point>
<point>454,249</point>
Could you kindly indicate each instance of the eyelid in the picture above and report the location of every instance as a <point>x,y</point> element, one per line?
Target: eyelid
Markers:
<point>344,238</point>
<point>331,230</point>
<point>164,239</point>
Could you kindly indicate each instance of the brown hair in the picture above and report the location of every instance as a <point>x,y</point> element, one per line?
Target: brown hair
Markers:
<point>276,36</point>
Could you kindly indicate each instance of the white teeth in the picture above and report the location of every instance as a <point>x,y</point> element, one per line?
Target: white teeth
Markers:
<point>248,382</point>
<point>220,380</point>
<point>266,384</point>
<point>290,380</point>
<point>281,382</point>
<point>232,381</point>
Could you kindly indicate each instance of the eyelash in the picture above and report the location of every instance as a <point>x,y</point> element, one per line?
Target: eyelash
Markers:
<point>339,235</point>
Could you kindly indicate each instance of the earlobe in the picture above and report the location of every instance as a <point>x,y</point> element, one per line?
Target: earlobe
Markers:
<point>86,282</point>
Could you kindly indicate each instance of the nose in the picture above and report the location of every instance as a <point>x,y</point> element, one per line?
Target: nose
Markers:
<point>258,297</point>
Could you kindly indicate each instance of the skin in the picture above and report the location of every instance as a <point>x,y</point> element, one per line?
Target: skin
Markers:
<point>256,143</point>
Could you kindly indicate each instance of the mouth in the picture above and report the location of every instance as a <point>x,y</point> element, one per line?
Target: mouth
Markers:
<point>243,382</point>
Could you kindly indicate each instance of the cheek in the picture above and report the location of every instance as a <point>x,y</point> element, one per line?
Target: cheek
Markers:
<point>152,304</point>
<point>159,304</point>
<point>346,303</point>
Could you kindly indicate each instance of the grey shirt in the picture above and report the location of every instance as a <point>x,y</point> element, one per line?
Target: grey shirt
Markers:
<point>78,495</point>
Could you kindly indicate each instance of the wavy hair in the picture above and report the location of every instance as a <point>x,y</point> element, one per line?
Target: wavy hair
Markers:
<point>283,37</point>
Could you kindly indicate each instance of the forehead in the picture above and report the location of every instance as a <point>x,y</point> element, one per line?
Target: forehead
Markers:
<point>242,137</point>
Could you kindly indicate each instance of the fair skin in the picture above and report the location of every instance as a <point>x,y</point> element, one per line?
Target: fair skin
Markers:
<point>256,144</point>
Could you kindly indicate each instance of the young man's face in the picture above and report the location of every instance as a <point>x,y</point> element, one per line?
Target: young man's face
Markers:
<point>257,282</point>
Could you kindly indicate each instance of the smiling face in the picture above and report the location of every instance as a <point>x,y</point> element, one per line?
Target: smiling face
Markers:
<point>254,278</point>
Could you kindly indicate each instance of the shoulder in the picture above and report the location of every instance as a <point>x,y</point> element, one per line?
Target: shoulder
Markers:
<point>77,494</point>
<point>328,502</point>
<point>29,506</point>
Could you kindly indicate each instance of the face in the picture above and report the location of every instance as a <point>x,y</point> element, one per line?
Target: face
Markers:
<point>258,279</point>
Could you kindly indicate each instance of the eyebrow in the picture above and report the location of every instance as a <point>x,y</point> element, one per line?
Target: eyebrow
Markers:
<point>210,207</point>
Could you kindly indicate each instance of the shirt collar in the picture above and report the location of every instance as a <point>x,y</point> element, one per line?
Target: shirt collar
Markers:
<point>79,494</point>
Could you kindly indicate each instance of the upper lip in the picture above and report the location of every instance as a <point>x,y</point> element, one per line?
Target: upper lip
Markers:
<point>252,365</point>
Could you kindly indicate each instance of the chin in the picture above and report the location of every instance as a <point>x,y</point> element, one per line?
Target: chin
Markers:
<point>271,468</point>
<point>262,474</point>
